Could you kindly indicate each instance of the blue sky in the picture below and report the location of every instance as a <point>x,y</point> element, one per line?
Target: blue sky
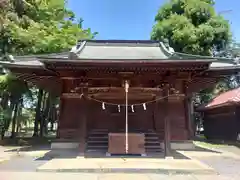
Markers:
<point>133,19</point>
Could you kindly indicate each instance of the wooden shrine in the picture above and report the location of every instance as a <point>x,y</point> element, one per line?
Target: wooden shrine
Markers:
<point>90,83</point>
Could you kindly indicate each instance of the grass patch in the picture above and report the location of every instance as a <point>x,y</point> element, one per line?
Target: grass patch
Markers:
<point>3,161</point>
<point>209,144</point>
<point>26,141</point>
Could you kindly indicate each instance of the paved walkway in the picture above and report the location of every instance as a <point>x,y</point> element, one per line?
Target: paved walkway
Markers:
<point>126,165</point>
<point>4,156</point>
<point>115,176</point>
<point>24,166</point>
<point>226,163</point>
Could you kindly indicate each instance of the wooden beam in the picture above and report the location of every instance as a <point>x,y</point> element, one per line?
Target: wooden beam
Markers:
<point>118,96</point>
<point>93,90</point>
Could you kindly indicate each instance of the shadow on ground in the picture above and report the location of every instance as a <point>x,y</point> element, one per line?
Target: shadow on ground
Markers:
<point>72,154</point>
<point>30,148</point>
<point>201,149</point>
<point>219,142</point>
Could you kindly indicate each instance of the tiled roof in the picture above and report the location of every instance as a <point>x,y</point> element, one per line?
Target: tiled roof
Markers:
<point>122,50</point>
<point>232,96</point>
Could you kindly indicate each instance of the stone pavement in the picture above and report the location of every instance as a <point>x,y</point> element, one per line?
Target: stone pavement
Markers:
<point>4,156</point>
<point>107,176</point>
<point>126,165</point>
<point>226,163</point>
<point>227,166</point>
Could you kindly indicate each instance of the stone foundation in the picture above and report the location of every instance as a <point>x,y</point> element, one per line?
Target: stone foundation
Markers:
<point>64,145</point>
<point>180,145</point>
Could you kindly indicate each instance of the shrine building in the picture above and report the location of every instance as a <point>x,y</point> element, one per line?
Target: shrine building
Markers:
<point>221,116</point>
<point>123,96</point>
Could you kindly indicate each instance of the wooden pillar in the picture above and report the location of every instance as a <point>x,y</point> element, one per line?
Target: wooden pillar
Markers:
<point>167,128</point>
<point>82,123</point>
<point>158,120</point>
<point>59,117</point>
<point>189,116</point>
<point>188,106</point>
<point>83,103</point>
<point>155,117</point>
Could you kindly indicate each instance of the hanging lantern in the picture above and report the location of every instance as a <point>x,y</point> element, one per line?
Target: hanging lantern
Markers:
<point>144,106</point>
<point>103,106</point>
<point>119,109</point>
<point>132,108</point>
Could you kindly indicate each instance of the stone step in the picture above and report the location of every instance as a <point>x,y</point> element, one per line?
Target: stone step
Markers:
<point>106,142</point>
<point>152,144</point>
<point>94,130</point>
<point>92,139</point>
<point>106,136</point>
<point>97,141</point>
<point>97,147</point>
<point>97,138</point>
<point>105,139</point>
<point>98,144</point>
<point>102,132</point>
<point>97,150</point>
<point>153,147</point>
<point>152,139</point>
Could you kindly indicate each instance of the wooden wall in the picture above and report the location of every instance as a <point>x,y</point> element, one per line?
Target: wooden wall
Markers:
<point>222,123</point>
<point>97,118</point>
<point>113,120</point>
<point>71,123</point>
<point>71,115</point>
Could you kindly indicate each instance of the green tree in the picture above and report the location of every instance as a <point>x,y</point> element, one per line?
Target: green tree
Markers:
<point>39,26</point>
<point>33,27</point>
<point>232,50</point>
<point>191,26</point>
<point>13,89</point>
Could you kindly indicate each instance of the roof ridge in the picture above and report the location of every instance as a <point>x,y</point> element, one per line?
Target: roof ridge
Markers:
<point>237,92</point>
<point>221,94</point>
<point>118,41</point>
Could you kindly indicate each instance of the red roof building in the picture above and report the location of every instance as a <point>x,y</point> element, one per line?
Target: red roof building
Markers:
<point>227,98</point>
<point>221,116</point>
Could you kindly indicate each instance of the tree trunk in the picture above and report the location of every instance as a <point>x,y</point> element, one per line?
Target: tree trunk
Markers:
<point>45,115</point>
<point>38,112</point>
<point>13,135</point>
<point>19,115</point>
<point>53,114</point>
<point>8,117</point>
<point>52,126</point>
<point>4,102</point>
<point>42,114</point>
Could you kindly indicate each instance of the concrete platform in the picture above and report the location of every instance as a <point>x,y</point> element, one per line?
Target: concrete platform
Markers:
<point>128,165</point>
<point>64,145</point>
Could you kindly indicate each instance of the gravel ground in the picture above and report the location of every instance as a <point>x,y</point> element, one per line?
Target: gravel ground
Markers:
<point>22,164</point>
<point>120,176</point>
<point>226,166</point>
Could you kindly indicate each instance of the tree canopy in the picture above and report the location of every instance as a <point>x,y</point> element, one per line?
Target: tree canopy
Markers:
<point>39,26</point>
<point>191,26</point>
<point>33,27</point>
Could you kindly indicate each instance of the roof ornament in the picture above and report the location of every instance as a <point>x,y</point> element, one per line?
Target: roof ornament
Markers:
<point>10,58</point>
<point>166,43</point>
<point>76,49</point>
<point>166,48</point>
<point>236,60</point>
